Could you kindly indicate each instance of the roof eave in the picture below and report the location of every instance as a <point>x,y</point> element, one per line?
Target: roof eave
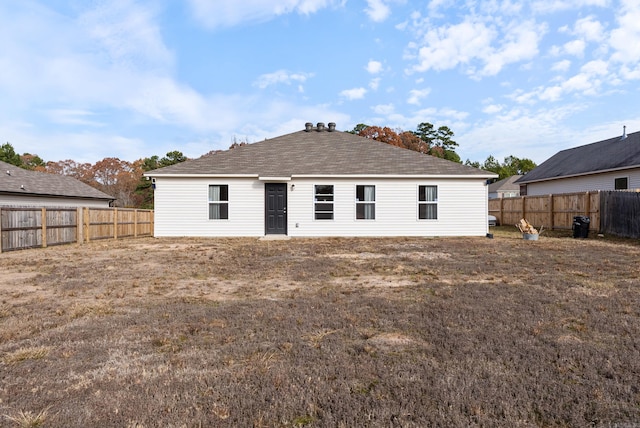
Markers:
<point>523,180</point>
<point>49,195</point>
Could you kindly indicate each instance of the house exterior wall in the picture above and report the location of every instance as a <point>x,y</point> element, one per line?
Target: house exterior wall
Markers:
<point>41,201</point>
<point>604,181</point>
<point>181,208</point>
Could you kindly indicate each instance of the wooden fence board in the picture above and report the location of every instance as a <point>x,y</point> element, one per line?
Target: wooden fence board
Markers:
<point>621,213</point>
<point>551,211</point>
<point>31,227</point>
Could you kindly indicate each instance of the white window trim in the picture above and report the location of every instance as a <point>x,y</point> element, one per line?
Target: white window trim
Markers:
<point>419,202</point>
<point>333,204</point>
<point>374,203</point>
<point>210,202</point>
<point>617,178</point>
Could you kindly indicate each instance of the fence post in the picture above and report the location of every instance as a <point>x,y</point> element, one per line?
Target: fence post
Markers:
<point>43,229</point>
<point>86,218</point>
<point>551,211</point>
<point>524,207</point>
<point>79,225</point>
<point>1,230</point>
<point>115,223</point>
<point>151,219</point>
<point>135,223</point>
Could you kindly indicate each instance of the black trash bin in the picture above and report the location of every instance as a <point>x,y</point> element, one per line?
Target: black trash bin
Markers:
<point>581,226</point>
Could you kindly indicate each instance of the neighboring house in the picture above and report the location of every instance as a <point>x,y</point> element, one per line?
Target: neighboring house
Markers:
<point>505,188</point>
<point>612,164</point>
<point>23,188</point>
<point>320,182</point>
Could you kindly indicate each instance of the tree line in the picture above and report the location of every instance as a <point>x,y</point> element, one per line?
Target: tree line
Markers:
<point>118,178</point>
<point>439,142</point>
<point>125,182</point>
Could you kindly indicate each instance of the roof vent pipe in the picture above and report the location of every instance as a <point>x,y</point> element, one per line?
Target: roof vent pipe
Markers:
<point>308,126</point>
<point>320,126</point>
<point>332,126</point>
<point>624,132</point>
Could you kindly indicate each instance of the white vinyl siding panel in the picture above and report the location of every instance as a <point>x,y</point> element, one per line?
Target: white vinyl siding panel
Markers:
<point>182,208</point>
<point>605,181</point>
<point>462,209</point>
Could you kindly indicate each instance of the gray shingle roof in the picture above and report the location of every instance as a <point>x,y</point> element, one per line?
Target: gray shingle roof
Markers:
<point>612,154</point>
<point>319,153</point>
<point>506,184</point>
<point>33,183</point>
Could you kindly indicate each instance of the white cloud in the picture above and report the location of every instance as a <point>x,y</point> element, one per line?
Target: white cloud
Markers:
<point>377,10</point>
<point>73,117</point>
<point>353,94</point>
<point>595,68</point>
<point>374,84</point>
<point>280,76</point>
<point>415,95</point>
<point>624,38</point>
<point>128,32</point>
<point>551,6</point>
<point>383,109</point>
<point>561,66</point>
<point>492,109</point>
<point>228,13</point>
<point>590,29</point>
<point>575,47</point>
<point>474,41</point>
<point>374,67</point>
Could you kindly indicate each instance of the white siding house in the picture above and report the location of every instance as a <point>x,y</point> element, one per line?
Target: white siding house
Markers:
<point>319,183</point>
<point>612,164</point>
<point>24,188</point>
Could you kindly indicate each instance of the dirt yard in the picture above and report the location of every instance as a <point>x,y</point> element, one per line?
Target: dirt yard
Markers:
<point>322,333</point>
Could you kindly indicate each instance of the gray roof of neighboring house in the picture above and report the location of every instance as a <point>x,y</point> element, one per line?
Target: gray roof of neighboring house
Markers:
<point>318,153</point>
<point>607,155</point>
<point>505,185</point>
<point>18,181</point>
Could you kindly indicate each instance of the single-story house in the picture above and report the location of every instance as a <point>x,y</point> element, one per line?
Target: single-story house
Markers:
<point>505,188</point>
<point>612,164</point>
<point>319,182</point>
<point>23,188</point>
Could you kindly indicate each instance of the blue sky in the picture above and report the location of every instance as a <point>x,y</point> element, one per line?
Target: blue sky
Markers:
<point>89,79</point>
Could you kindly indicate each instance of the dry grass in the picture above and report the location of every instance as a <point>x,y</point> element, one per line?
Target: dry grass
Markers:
<point>323,333</point>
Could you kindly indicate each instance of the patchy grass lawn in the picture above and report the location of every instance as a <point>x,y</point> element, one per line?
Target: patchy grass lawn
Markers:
<point>322,333</point>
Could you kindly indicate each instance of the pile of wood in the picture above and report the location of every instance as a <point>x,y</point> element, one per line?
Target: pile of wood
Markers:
<point>526,227</point>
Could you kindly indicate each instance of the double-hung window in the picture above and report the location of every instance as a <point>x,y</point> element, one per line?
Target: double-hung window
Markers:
<point>365,202</point>
<point>323,202</point>
<point>621,183</point>
<point>218,202</point>
<point>428,202</point>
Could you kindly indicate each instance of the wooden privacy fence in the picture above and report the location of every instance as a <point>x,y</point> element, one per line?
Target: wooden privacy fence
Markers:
<point>550,211</point>
<point>613,212</point>
<point>41,227</point>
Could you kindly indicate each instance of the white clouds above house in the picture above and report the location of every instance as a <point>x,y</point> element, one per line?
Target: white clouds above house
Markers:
<point>136,78</point>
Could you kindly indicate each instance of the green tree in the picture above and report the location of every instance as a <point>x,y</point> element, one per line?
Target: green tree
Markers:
<point>358,128</point>
<point>9,155</point>
<point>33,162</point>
<point>144,189</point>
<point>512,165</point>
<point>439,141</point>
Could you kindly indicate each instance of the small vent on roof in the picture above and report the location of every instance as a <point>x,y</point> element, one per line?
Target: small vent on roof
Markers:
<point>320,126</point>
<point>8,172</point>
<point>332,126</point>
<point>308,127</point>
<point>624,132</point>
